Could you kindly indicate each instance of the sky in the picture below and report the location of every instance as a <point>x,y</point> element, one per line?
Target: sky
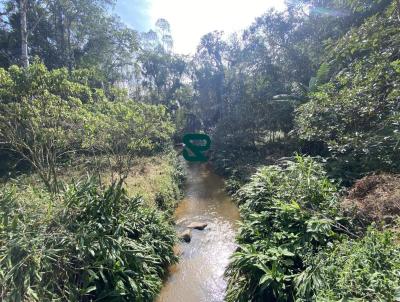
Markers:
<point>191,19</point>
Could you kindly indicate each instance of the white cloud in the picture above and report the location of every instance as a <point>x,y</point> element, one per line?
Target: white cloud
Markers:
<point>191,19</point>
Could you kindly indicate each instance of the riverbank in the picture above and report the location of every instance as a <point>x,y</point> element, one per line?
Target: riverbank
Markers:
<point>300,229</point>
<point>89,240</point>
<point>157,179</point>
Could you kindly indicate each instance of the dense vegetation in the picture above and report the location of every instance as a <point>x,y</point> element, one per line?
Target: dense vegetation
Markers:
<point>89,111</point>
<point>87,241</point>
<point>297,244</point>
<point>289,214</point>
<point>74,225</point>
<point>85,244</point>
<point>84,241</point>
<point>356,112</point>
<point>319,79</point>
<point>365,270</point>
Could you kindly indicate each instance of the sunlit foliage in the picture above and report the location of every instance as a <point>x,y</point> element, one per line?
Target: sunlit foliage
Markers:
<point>87,244</point>
<point>356,113</point>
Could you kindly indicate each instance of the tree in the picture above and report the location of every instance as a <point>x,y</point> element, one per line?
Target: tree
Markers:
<point>125,130</point>
<point>161,71</point>
<point>208,78</point>
<point>23,8</point>
<point>47,116</point>
<point>66,33</point>
<point>164,32</point>
<point>355,113</point>
<point>40,125</point>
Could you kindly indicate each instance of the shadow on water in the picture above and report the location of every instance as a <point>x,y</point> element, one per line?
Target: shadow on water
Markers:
<point>198,277</point>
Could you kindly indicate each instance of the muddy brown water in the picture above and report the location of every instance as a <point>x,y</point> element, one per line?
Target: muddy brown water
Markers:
<point>199,275</point>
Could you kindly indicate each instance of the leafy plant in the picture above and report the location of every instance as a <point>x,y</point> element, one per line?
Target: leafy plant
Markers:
<point>289,213</point>
<point>356,113</point>
<point>47,116</point>
<point>99,245</point>
<point>357,270</point>
<point>125,130</point>
<point>42,117</point>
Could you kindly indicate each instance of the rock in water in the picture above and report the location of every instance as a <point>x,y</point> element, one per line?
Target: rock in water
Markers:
<point>186,235</point>
<point>178,250</point>
<point>197,225</point>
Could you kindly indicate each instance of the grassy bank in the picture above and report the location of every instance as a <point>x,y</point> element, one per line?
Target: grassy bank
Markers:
<point>91,241</point>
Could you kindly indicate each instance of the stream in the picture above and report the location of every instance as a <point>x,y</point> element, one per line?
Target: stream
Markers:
<point>199,274</point>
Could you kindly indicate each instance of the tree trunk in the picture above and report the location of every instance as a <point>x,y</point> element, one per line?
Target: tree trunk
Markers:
<point>398,9</point>
<point>61,32</point>
<point>23,7</point>
<point>69,48</point>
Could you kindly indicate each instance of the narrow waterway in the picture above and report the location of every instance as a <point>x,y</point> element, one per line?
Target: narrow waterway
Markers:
<point>198,277</point>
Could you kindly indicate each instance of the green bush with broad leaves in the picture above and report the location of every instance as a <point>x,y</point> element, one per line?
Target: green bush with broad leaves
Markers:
<point>356,112</point>
<point>356,270</point>
<point>289,213</point>
<point>85,244</point>
<point>295,244</point>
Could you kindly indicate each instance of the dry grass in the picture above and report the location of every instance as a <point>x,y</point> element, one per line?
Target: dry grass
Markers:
<point>374,198</point>
<point>150,176</point>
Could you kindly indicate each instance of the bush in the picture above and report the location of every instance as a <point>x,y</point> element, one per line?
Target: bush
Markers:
<point>47,116</point>
<point>364,270</point>
<point>356,114</point>
<point>295,245</point>
<point>41,117</point>
<point>125,130</point>
<point>89,244</point>
<point>288,214</point>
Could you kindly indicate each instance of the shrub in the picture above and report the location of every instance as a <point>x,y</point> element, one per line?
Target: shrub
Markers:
<point>92,244</point>
<point>41,117</point>
<point>362,270</point>
<point>288,214</point>
<point>47,116</point>
<point>125,130</point>
<point>357,112</point>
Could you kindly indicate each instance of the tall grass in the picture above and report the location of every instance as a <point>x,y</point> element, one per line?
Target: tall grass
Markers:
<point>94,245</point>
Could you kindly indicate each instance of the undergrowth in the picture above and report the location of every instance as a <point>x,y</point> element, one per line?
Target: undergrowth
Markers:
<point>292,217</point>
<point>85,244</point>
<point>358,270</point>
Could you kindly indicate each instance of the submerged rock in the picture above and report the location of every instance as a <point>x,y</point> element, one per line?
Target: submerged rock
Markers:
<point>197,225</point>
<point>186,235</point>
<point>178,250</point>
